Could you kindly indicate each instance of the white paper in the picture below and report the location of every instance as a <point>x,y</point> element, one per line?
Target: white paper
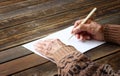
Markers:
<point>64,36</point>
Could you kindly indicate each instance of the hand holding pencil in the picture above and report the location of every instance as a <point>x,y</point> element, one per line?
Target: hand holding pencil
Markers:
<point>86,19</point>
<point>86,29</point>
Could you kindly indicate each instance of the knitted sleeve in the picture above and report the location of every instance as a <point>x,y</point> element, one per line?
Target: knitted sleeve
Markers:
<point>73,63</point>
<point>112,33</point>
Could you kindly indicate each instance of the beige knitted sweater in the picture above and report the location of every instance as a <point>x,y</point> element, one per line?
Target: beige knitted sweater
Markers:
<point>70,62</point>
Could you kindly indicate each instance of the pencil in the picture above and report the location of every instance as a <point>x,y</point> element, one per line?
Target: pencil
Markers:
<point>84,21</point>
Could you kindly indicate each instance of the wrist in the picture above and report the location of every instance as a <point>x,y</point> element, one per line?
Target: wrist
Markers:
<point>101,31</point>
<point>62,52</point>
<point>99,35</point>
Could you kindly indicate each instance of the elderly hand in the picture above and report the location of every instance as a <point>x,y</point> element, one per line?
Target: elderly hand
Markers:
<point>91,30</point>
<point>48,47</point>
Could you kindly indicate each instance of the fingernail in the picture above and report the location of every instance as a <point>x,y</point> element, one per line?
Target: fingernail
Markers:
<point>73,32</point>
<point>88,37</point>
<point>80,37</point>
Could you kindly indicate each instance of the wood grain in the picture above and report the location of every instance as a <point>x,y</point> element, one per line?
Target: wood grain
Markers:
<point>41,70</point>
<point>19,51</point>
<point>8,2</point>
<point>103,50</point>
<point>40,11</point>
<point>47,69</point>
<point>22,21</point>
<point>13,53</point>
<point>32,28</point>
<point>20,5</point>
<point>20,64</point>
<point>113,60</point>
<point>9,36</point>
<point>94,54</point>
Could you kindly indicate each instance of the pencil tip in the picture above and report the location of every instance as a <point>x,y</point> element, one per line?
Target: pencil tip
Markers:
<point>70,37</point>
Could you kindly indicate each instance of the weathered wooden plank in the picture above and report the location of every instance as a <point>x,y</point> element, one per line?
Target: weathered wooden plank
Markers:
<point>30,13</point>
<point>49,8</point>
<point>53,18</point>
<point>8,22</point>
<point>103,50</point>
<point>109,19</point>
<point>7,2</point>
<point>20,64</point>
<point>13,53</point>
<point>31,33</point>
<point>35,29</point>
<point>43,6</point>
<point>113,60</point>
<point>19,5</point>
<point>17,52</point>
<point>47,69</point>
<point>33,60</point>
<point>104,19</point>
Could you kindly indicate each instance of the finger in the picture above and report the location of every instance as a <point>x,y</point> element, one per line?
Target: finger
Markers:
<point>39,50</point>
<point>86,37</point>
<point>42,51</point>
<point>81,37</point>
<point>77,23</point>
<point>77,36</point>
<point>76,30</point>
<point>82,27</point>
<point>42,45</point>
<point>39,44</point>
<point>58,42</point>
<point>88,21</point>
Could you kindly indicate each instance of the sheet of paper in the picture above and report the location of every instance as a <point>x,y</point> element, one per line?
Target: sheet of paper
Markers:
<point>64,35</point>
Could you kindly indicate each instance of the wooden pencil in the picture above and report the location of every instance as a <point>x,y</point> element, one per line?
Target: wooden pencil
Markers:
<point>84,21</point>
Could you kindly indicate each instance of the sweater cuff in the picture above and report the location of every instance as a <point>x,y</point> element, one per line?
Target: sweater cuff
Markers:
<point>62,52</point>
<point>112,33</point>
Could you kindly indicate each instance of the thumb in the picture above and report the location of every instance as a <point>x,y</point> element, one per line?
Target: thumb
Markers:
<point>76,30</point>
<point>80,28</point>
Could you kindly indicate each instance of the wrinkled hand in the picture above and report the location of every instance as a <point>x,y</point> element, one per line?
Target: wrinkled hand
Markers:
<point>48,47</point>
<point>90,30</point>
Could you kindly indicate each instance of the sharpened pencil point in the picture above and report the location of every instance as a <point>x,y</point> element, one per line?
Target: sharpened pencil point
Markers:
<point>70,37</point>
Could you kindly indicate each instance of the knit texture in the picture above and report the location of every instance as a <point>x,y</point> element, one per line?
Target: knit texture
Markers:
<point>62,52</point>
<point>70,62</point>
<point>112,33</point>
<point>75,63</point>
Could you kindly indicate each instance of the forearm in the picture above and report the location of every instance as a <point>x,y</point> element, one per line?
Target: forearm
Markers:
<point>111,33</point>
<point>75,63</point>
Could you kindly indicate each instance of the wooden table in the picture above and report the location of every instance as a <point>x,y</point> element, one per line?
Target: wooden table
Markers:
<point>22,21</point>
